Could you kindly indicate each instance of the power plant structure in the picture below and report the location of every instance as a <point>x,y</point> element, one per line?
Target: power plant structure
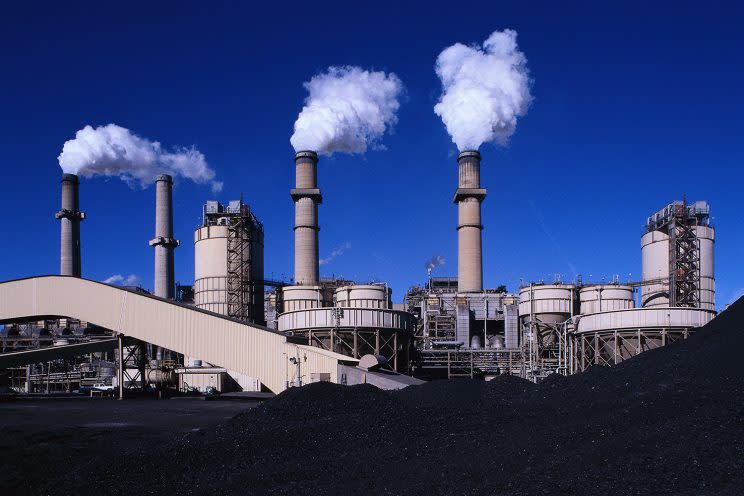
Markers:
<point>229,262</point>
<point>70,217</point>
<point>228,333</point>
<point>164,242</point>
<point>347,318</point>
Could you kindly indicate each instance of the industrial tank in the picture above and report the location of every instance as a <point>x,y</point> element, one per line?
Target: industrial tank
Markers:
<point>226,262</point>
<point>210,268</point>
<point>302,298</point>
<point>655,260</point>
<point>655,269</point>
<point>548,303</point>
<point>363,296</point>
<point>605,298</point>
<point>692,258</point>
<point>706,237</point>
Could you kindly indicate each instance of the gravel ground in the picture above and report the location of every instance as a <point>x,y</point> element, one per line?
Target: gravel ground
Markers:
<point>670,421</point>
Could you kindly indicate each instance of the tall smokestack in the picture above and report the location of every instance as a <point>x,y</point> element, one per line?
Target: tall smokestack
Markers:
<point>70,217</point>
<point>163,241</point>
<point>468,197</point>
<point>306,196</point>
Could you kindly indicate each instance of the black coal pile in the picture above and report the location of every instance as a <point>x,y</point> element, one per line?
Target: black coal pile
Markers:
<point>670,421</point>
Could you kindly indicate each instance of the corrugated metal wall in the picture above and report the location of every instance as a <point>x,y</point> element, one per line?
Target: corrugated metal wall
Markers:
<point>244,348</point>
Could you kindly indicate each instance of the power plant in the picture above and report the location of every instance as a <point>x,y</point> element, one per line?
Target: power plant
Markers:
<point>448,327</point>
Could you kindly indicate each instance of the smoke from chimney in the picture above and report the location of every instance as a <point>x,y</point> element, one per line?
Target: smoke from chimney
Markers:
<point>484,90</point>
<point>434,262</point>
<point>112,150</point>
<point>347,110</point>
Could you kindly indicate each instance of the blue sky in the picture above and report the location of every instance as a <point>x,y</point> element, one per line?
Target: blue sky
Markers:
<point>634,105</point>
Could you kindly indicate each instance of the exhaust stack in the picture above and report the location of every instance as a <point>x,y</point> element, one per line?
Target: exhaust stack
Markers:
<point>163,242</point>
<point>468,197</point>
<point>70,217</point>
<point>306,196</point>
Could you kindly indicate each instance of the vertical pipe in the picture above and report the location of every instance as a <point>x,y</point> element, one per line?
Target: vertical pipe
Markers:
<point>120,372</point>
<point>468,197</point>
<point>163,242</point>
<point>306,196</point>
<point>70,217</point>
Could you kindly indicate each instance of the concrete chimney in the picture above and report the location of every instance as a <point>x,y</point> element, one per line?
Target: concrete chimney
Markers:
<point>306,196</point>
<point>70,217</point>
<point>163,242</point>
<point>468,197</point>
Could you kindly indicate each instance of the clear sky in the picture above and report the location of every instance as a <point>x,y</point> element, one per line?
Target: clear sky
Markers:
<point>635,104</point>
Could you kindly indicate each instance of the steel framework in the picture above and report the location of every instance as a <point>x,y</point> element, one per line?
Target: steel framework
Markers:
<point>610,347</point>
<point>684,262</point>
<point>394,345</point>
<point>239,284</point>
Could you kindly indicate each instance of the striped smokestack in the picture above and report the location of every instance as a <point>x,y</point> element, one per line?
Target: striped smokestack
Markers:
<point>164,243</point>
<point>306,196</point>
<point>468,197</point>
<point>70,217</point>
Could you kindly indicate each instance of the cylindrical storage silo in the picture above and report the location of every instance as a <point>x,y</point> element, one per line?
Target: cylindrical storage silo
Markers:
<point>605,298</point>
<point>547,303</point>
<point>706,237</point>
<point>210,268</point>
<point>655,269</point>
<point>363,296</point>
<point>302,297</point>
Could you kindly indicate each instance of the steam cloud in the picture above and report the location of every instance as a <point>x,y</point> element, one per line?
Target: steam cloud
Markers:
<point>484,90</point>
<point>335,253</point>
<point>112,150</point>
<point>347,109</point>
<point>120,280</point>
<point>435,261</point>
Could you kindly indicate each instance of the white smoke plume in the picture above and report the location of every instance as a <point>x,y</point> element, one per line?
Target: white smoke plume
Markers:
<point>120,280</point>
<point>347,110</point>
<point>337,252</point>
<point>112,150</point>
<point>435,261</point>
<point>484,90</point>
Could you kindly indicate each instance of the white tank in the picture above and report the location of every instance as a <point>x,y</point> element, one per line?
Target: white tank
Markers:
<point>707,235</point>
<point>302,297</point>
<point>363,296</point>
<point>655,260</point>
<point>210,268</point>
<point>549,303</point>
<point>605,298</point>
<point>655,265</point>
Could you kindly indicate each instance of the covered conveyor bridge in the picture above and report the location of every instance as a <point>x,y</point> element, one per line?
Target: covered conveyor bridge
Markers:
<point>248,349</point>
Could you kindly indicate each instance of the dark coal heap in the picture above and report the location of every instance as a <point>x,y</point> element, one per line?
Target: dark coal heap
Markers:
<point>670,421</point>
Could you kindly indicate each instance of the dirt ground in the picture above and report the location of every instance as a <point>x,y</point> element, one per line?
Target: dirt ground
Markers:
<point>42,440</point>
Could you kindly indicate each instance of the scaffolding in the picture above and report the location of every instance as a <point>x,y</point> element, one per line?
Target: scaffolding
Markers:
<point>243,297</point>
<point>239,284</point>
<point>679,221</point>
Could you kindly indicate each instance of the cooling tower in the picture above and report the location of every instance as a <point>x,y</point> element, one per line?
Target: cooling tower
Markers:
<point>468,197</point>
<point>163,242</point>
<point>306,196</point>
<point>70,217</point>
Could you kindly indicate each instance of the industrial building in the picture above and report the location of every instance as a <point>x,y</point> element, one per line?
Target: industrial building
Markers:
<point>236,330</point>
